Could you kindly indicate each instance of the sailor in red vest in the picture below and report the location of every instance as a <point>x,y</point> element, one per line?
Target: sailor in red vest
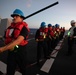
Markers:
<point>62,30</point>
<point>16,40</point>
<point>54,37</point>
<point>50,38</point>
<point>57,32</point>
<point>40,38</point>
<point>61,34</point>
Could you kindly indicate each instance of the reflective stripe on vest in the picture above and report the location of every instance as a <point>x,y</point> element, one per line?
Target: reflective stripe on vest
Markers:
<point>43,33</point>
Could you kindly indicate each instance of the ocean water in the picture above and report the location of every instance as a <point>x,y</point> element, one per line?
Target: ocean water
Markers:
<point>33,31</point>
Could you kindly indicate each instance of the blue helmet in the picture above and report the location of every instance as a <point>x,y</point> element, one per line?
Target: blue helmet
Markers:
<point>56,25</point>
<point>43,24</point>
<point>18,12</point>
<point>49,25</point>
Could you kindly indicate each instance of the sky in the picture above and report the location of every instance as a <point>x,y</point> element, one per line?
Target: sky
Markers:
<point>61,13</point>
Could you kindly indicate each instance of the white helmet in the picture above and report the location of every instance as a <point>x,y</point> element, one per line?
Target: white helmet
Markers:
<point>73,21</point>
